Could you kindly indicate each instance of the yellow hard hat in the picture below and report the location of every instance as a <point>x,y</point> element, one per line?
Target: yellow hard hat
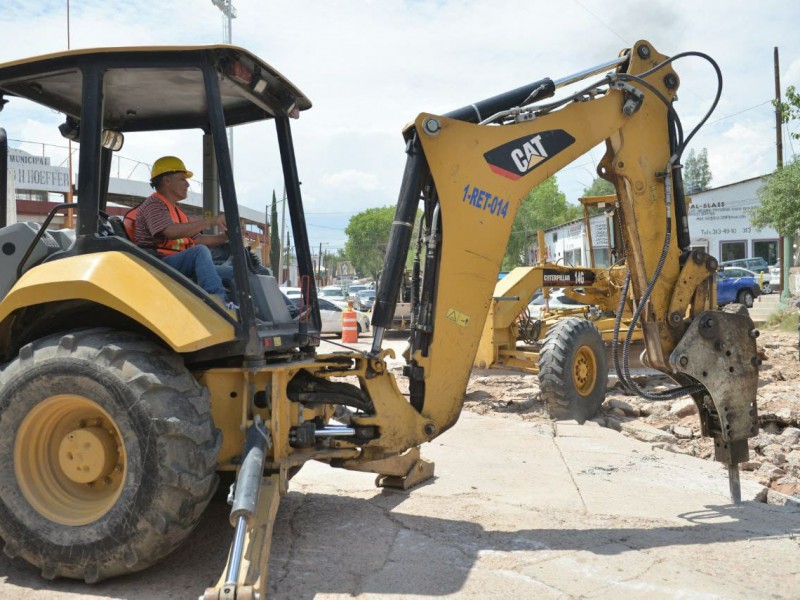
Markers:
<point>169,164</point>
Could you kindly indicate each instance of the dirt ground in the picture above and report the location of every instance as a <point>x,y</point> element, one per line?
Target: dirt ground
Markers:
<point>674,425</point>
<point>671,426</point>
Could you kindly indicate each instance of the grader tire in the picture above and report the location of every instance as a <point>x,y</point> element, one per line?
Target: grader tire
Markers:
<point>573,371</point>
<point>107,454</point>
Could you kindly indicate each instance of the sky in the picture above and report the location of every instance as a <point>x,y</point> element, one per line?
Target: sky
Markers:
<point>371,66</point>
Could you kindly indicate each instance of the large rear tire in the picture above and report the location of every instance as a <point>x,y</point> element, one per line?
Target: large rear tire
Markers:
<point>573,370</point>
<point>107,454</point>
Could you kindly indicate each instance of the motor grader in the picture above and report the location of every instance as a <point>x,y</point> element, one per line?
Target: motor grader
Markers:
<point>125,388</point>
<point>567,347</point>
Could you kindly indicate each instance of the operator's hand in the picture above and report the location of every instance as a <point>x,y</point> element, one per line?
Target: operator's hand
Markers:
<point>218,221</point>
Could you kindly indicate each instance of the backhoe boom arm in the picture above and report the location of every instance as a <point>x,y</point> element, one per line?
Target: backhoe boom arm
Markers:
<point>472,178</point>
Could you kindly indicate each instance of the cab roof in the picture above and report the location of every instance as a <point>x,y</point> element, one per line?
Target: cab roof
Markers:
<point>156,88</point>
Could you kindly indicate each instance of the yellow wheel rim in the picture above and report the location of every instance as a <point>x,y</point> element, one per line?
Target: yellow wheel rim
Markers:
<point>584,371</point>
<point>69,460</point>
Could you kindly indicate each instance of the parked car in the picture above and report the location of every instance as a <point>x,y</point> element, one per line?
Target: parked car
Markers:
<point>556,300</point>
<point>331,315</point>
<point>353,289</point>
<point>291,292</point>
<point>765,278</point>
<point>736,289</point>
<point>364,300</point>
<point>335,294</point>
<point>775,276</point>
<point>755,263</point>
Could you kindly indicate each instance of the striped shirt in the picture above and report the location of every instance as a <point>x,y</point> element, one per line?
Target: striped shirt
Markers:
<point>152,218</point>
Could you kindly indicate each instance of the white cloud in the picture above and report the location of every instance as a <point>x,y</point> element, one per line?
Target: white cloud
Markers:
<point>351,179</point>
<point>371,67</point>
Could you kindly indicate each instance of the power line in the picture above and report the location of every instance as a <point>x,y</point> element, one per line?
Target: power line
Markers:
<point>739,113</point>
<point>324,227</point>
<point>603,23</point>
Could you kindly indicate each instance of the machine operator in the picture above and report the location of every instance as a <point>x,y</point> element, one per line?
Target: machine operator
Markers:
<point>160,226</point>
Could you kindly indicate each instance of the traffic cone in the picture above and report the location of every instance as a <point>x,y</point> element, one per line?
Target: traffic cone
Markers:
<point>349,325</point>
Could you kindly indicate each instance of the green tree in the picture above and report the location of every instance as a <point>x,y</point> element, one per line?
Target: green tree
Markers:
<point>780,201</point>
<point>696,173</point>
<point>600,187</point>
<point>544,206</point>
<point>790,109</point>
<point>274,238</point>
<point>367,239</point>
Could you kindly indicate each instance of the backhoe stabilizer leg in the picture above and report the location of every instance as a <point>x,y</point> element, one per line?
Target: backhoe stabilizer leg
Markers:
<point>719,350</point>
<point>254,507</point>
<point>402,471</point>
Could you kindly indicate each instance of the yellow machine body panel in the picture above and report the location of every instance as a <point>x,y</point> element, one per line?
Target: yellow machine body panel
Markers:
<point>129,286</point>
<point>511,295</point>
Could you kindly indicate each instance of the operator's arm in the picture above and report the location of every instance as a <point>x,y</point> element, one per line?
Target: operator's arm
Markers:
<point>193,228</point>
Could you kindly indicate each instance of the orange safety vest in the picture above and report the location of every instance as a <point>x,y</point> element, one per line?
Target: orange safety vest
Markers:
<point>167,246</point>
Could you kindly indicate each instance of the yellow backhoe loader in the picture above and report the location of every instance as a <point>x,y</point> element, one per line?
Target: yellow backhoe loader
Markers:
<point>125,388</point>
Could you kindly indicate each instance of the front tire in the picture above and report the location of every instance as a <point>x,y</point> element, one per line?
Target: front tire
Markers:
<point>745,297</point>
<point>107,454</point>
<point>573,370</point>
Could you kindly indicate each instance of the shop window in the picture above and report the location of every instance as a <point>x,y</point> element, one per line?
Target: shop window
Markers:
<point>572,257</point>
<point>732,250</point>
<point>601,258</point>
<point>766,249</point>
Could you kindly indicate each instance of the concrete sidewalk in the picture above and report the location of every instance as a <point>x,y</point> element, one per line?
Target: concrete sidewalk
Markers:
<point>523,510</point>
<point>518,509</point>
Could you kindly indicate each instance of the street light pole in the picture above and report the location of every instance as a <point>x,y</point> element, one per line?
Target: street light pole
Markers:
<point>228,13</point>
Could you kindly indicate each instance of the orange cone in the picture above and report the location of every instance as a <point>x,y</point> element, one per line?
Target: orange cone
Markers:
<point>349,326</point>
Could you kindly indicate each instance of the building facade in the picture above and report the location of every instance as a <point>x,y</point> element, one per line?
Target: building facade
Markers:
<point>719,223</point>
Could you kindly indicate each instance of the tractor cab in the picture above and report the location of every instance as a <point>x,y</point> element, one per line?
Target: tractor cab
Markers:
<point>97,276</point>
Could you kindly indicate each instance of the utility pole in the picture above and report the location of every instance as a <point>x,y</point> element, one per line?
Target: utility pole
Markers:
<point>319,263</point>
<point>289,259</point>
<point>283,231</point>
<point>786,241</point>
<point>265,240</point>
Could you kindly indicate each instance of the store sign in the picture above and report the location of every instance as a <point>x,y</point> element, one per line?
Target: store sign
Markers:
<point>599,233</point>
<point>36,173</point>
<point>729,219</point>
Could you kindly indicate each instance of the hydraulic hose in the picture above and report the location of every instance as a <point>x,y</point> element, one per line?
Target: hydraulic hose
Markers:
<point>628,380</point>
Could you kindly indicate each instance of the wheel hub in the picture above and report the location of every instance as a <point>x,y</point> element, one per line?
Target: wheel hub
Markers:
<point>69,459</point>
<point>584,372</point>
<point>86,455</point>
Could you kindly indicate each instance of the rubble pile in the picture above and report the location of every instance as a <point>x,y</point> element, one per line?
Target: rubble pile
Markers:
<point>674,425</point>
